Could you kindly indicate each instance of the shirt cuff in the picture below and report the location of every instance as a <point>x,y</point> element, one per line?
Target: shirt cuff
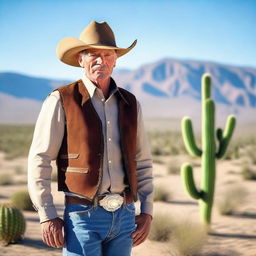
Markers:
<point>146,207</point>
<point>46,213</point>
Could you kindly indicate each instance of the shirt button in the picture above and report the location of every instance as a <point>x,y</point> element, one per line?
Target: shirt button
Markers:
<point>108,122</point>
<point>102,100</point>
<point>109,139</point>
<point>109,161</point>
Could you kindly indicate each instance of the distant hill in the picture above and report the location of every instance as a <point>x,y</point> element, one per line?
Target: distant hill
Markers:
<point>168,88</point>
<point>169,78</point>
<point>23,86</point>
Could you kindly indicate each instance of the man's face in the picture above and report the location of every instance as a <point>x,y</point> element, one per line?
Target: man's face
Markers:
<point>98,63</point>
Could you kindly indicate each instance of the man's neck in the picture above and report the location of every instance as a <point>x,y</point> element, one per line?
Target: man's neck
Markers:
<point>104,85</point>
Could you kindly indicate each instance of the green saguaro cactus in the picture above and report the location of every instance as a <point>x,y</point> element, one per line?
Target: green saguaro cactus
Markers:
<point>208,153</point>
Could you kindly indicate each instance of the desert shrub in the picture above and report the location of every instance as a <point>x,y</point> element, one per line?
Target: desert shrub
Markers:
<point>54,176</point>
<point>250,153</point>
<point>6,179</point>
<point>231,199</point>
<point>243,146</point>
<point>21,200</point>
<point>15,140</point>
<point>173,168</point>
<point>157,160</point>
<point>248,173</point>
<point>166,143</point>
<point>161,194</point>
<point>161,228</point>
<point>187,238</point>
<point>233,151</point>
<point>18,169</point>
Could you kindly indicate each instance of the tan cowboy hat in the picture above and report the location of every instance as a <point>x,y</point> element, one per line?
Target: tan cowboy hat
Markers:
<point>95,35</point>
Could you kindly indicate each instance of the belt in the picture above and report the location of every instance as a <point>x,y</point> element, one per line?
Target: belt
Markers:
<point>78,200</point>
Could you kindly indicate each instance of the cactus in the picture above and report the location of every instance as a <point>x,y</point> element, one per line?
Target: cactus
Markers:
<point>12,224</point>
<point>208,153</point>
<point>22,201</point>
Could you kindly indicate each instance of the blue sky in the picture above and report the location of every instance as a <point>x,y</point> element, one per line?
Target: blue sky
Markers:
<point>221,31</point>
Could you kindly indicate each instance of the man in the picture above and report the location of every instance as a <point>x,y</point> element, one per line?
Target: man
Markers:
<point>94,131</point>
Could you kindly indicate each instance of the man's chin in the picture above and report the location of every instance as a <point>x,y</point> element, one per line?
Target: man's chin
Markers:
<point>101,76</point>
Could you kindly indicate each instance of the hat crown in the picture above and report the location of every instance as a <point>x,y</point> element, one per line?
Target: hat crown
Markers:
<point>98,33</point>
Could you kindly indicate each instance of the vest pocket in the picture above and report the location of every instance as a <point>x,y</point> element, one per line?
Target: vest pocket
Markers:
<point>75,169</point>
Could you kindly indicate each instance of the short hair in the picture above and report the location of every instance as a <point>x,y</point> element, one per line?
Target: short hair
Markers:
<point>83,52</point>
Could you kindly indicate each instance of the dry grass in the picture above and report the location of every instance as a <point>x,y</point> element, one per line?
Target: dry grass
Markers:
<point>18,169</point>
<point>161,228</point>
<point>231,199</point>
<point>249,152</point>
<point>15,140</point>
<point>54,177</point>
<point>158,160</point>
<point>173,168</point>
<point>166,143</point>
<point>6,179</point>
<point>248,173</point>
<point>184,237</point>
<point>188,238</point>
<point>161,194</point>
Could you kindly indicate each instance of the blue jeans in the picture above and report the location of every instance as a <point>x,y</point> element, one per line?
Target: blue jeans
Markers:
<point>93,231</point>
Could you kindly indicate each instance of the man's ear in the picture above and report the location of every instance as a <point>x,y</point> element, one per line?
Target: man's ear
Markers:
<point>80,60</point>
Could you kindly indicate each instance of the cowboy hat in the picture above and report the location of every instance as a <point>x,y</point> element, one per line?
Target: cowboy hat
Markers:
<point>94,36</point>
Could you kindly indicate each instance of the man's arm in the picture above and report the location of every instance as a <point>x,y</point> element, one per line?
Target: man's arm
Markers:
<point>47,139</point>
<point>144,167</point>
<point>145,183</point>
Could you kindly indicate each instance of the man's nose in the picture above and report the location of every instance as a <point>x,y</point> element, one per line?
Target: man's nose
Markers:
<point>101,59</point>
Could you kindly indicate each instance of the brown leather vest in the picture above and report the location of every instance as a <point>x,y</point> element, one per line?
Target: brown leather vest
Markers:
<point>80,157</point>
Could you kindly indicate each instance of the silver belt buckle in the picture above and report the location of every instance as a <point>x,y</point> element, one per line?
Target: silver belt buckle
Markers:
<point>111,202</point>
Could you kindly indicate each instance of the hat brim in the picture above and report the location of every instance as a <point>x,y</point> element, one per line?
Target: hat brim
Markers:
<point>68,49</point>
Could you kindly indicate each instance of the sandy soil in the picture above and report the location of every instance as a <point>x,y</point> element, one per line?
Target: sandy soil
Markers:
<point>230,235</point>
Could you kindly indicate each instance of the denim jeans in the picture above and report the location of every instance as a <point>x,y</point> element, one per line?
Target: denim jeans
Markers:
<point>93,231</point>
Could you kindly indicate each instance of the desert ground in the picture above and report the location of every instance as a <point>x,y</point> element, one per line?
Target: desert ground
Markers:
<point>230,235</point>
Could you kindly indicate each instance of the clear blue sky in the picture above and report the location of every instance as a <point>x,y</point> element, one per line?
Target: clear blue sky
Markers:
<point>222,31</point>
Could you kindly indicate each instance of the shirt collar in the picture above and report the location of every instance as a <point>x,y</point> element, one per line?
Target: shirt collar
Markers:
<point>91,87</point>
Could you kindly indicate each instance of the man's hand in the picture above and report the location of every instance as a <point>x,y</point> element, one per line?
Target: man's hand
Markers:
<point>52,232</point>
<point>143,222</point>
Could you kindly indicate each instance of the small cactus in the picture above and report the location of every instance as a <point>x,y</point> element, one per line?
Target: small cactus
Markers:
<point>12,224</point>
<point>22,201</point>
<point>210,151</point>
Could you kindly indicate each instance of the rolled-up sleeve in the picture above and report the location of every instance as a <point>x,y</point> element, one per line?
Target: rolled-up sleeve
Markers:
<point>144,167</point>
<point>47,139</point>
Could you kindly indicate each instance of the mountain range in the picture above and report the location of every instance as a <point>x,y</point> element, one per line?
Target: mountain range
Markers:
<point>168,88</point>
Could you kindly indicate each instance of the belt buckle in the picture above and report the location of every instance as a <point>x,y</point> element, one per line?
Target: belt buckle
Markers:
<point>111,202</point>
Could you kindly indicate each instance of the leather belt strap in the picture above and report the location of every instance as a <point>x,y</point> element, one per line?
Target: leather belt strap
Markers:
<point>78,200</point>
